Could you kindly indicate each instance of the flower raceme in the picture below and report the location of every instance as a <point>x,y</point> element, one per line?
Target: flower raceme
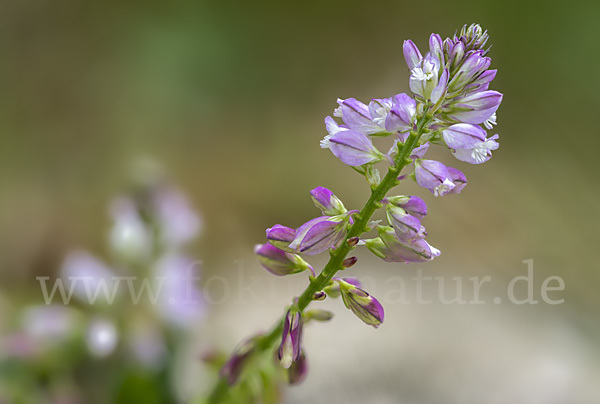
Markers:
<point>451,106</point>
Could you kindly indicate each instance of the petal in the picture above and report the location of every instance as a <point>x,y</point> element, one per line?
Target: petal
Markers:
<point>353,148</point>
<point>463,136</point>
<point>411,54</point>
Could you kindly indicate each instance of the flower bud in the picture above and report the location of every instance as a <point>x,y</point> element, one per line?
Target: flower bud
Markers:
<point>352,241</point>
<point>333,290</point>
<point>319,296</point>
<point>298,370</point>
<point>392,249</point>
<point>407,227</point>
<point>279,262</point>
<point>348,262</point>
<point>473,36</point>
<point>363,305</point>
<point>411,54</point>
<point>411,204</point>
<point>281,237</point>
<point>289,349</point>
<point>327,202</point>
<point>321,233</point>
<point>318,315</point>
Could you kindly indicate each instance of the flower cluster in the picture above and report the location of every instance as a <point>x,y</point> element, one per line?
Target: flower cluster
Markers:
<point>452,107</point>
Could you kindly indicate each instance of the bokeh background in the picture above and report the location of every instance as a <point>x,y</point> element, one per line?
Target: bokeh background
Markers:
<point>230,98</point>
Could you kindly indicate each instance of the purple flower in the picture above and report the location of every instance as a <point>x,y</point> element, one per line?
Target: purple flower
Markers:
<point>424,76</point>
<point>327,202</point>
<point>234,366</point>
<point>469,143</point>
<point>458,179</point>
<point>407,227</point>
<point>289,349</point>
<point>411,54</point>
<point>434,176</point>
<point>321,233</point>
<point>281,237</point>
<point>392,249</point>
<point>180,302</point>
<point>474,108</point>
<point>357,116</point>
<point>411,204</point>
<point>440,89</point>
<point>379,109</point>
<point>472,67</point>
<point>178,222</point>
<point>363,305</point>
<point>279,262</point>
<point>401,116</point>
<point>436,47</point>
<point>350,146</point>
<point>298,370</point>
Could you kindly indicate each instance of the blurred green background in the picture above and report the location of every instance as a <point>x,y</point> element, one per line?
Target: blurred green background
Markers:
<point>231,96</point>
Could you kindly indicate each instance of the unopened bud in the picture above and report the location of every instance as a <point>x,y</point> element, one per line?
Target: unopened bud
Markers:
<point>348,262</point>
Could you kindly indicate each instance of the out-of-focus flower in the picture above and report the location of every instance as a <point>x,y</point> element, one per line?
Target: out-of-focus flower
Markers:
<point>298,370</point>
<point>129,237</point>
<point>179,300</point>
<point>89,279</point>
<point>178,223</point>
<point>234,366</point>
<point>101,337</point>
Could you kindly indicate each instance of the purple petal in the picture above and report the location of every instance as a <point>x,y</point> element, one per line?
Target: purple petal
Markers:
<point>433,176</point>
<point>327,202</point>
<point>476,108</point>
<point>439,90</point>
<point>411,54</point>
<point>463,136</point>
<point>353,148</point>
<point>402,114</point>
<point>458,178</point>
<point>357,116</point>
<point>406,251</point>
<point>407,227</point>
<point>436,46</point>
<point>318,235</point>
<point>281,236</point>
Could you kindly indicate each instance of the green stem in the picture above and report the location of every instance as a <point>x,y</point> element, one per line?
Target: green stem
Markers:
<point>335,263</point>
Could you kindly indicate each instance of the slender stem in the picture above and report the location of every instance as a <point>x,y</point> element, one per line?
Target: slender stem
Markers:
<point>335,263</point>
